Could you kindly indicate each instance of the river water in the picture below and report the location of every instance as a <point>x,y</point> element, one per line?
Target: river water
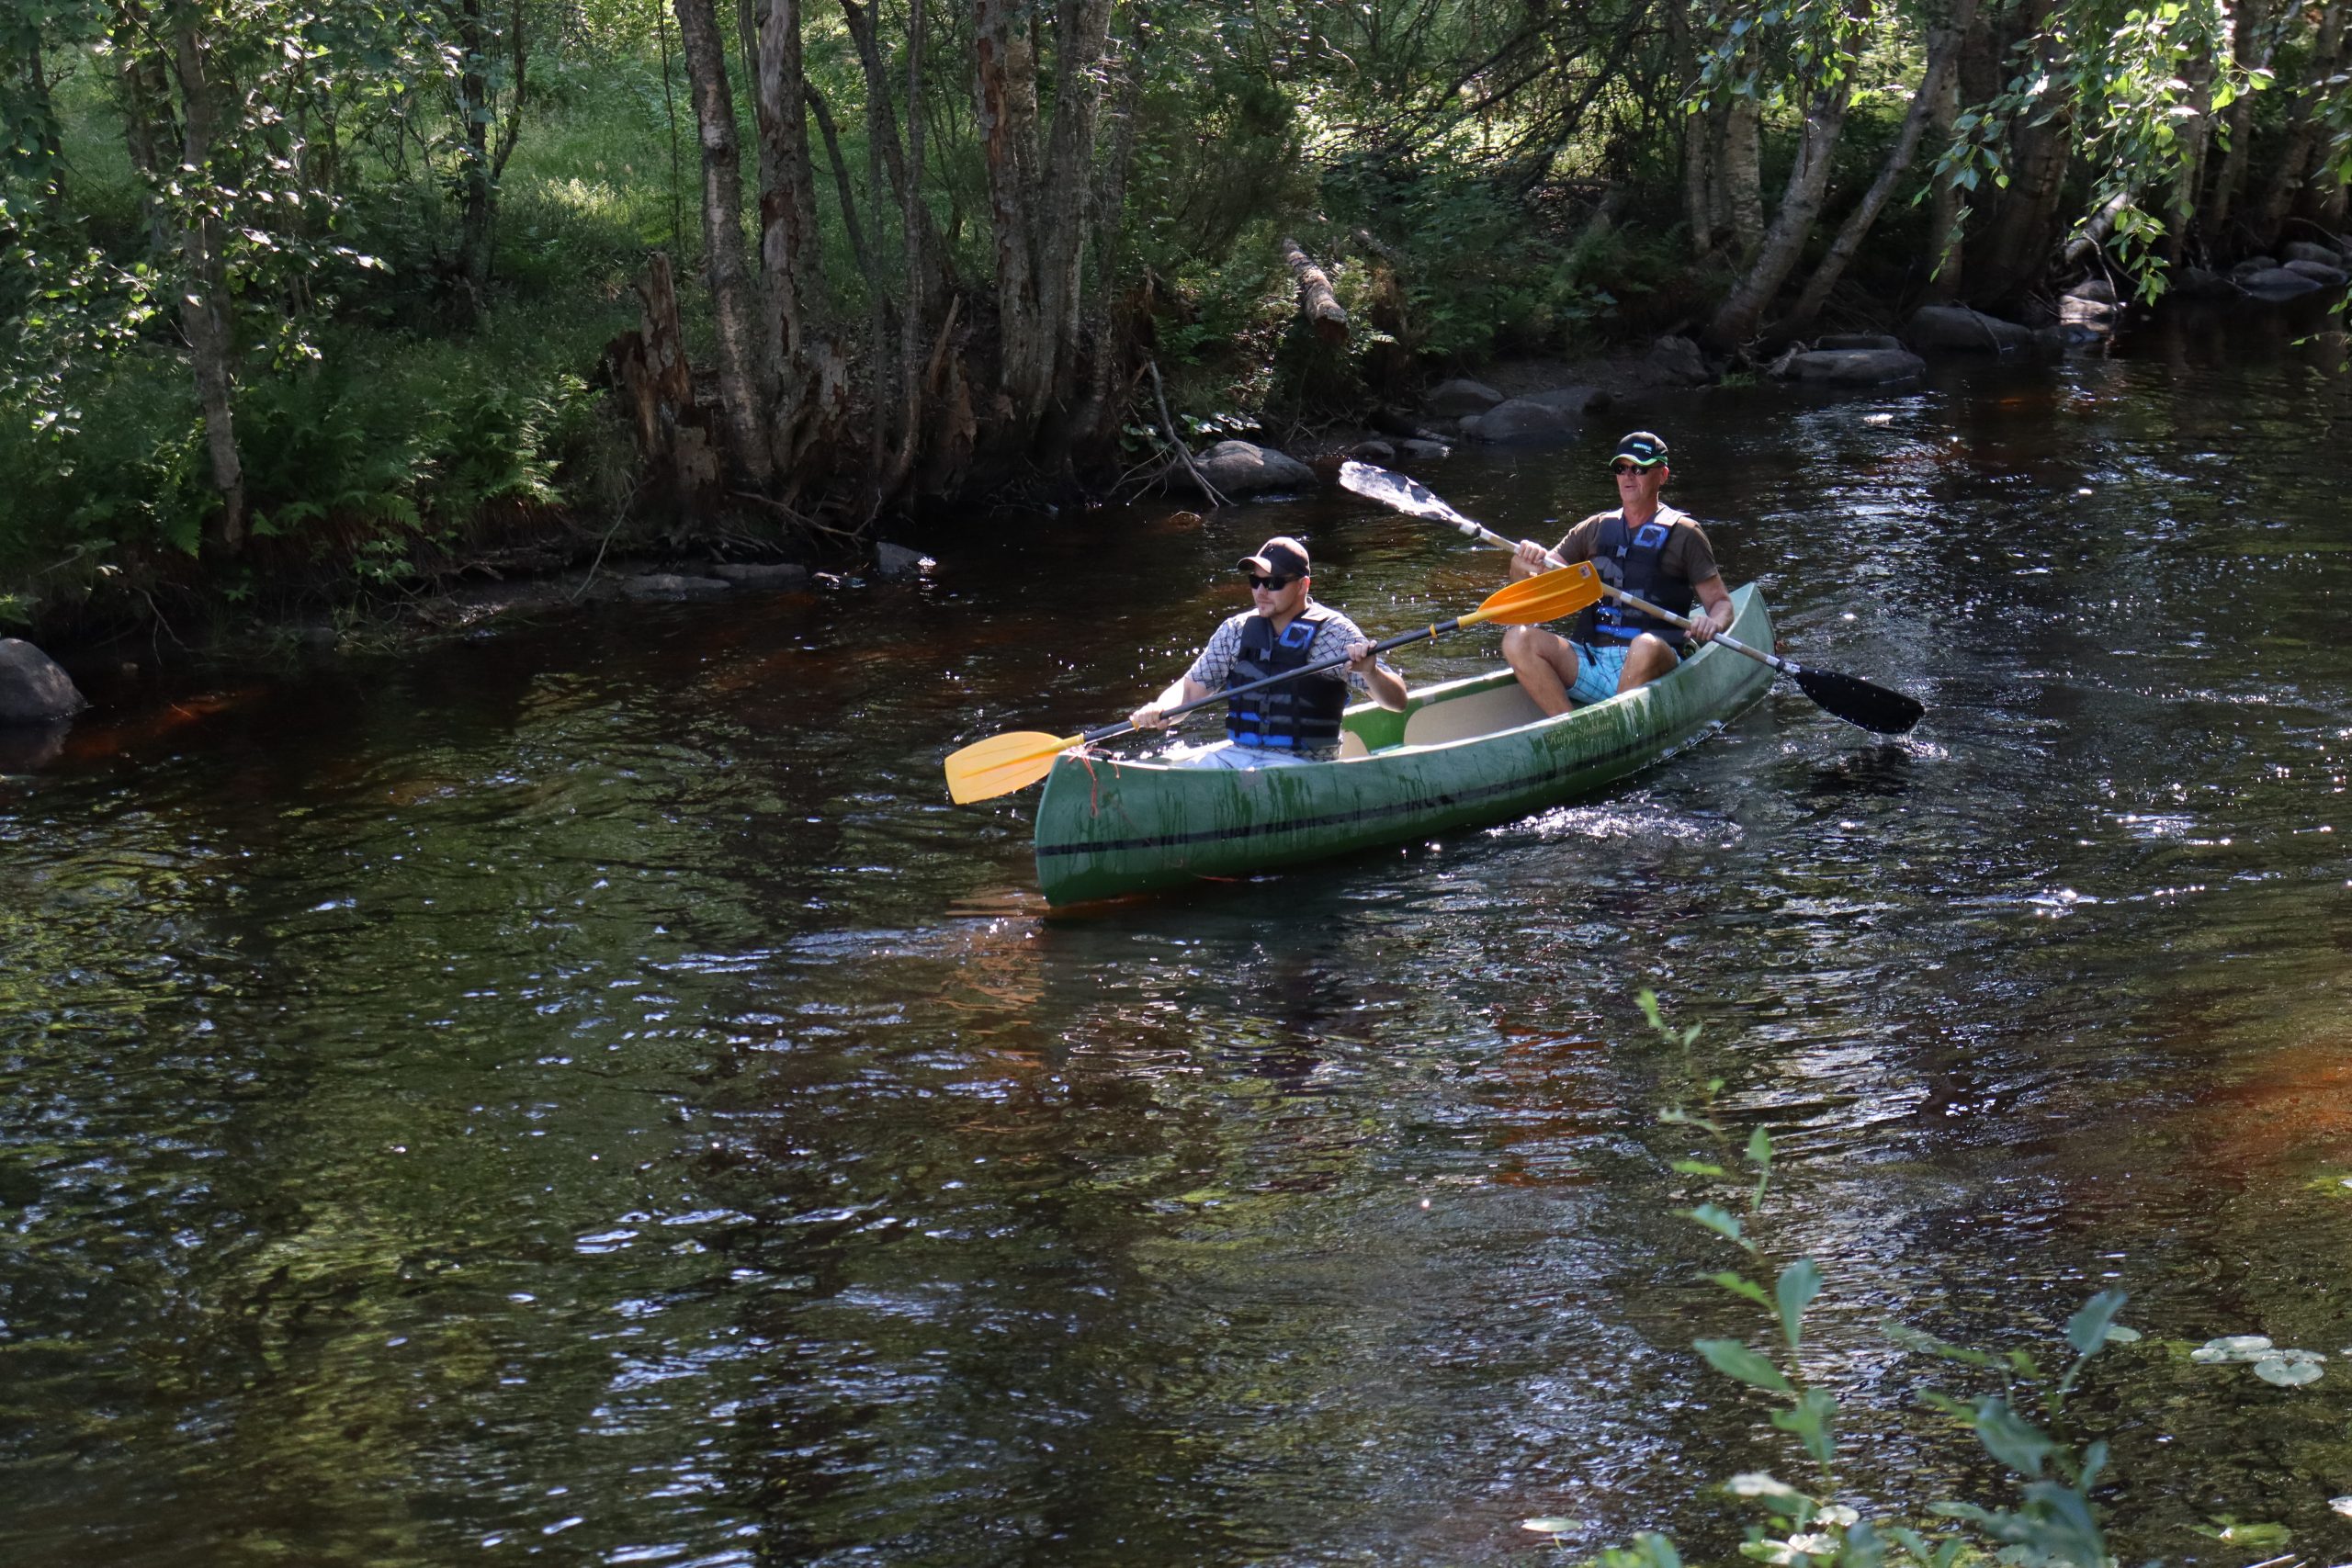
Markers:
<point>579,1091</point>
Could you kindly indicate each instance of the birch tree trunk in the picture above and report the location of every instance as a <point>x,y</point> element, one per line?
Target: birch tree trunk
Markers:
<point>1742,164</point>
<point>2305,126</point>
<point>1037,199</point>
<point>1947,213</point>
<point>2256,36</point>
<point>1943,49</point>
<point>205,320</point>
<point>745,361</point>
<point>1735,318</point>
<point>1697,203</point>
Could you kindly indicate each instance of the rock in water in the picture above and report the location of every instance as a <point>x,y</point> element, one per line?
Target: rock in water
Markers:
<point>1452,399</point>
<point>33,690</point>
<point>1238,467</point>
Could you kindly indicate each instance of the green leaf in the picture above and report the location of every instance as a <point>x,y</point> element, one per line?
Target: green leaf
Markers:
<point>1698,1168</point>
<point>1740,1285</point>
<point>1718,1220</point>
<point>1734,1360</point>
<point>1759,1149</point>
<point>2086,1330</point>
<point>1810,1421</point>
<point>2010,1437</point>
<point>1919,1340</point>
<point>1548,1526</point>
<point>2286,1373</point>
<point>1798,1284</point>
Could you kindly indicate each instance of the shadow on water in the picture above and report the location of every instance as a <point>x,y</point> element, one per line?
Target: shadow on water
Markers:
<point>584,1090</point>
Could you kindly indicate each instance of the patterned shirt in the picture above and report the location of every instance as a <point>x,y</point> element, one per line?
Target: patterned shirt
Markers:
<point>1331,639</point>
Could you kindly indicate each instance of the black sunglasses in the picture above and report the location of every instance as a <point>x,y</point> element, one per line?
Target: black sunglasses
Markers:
<point>1627,468</point>
<point>1274,584</point>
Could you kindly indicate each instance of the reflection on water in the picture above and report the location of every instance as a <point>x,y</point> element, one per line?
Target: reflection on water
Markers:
<point>584,1092</point>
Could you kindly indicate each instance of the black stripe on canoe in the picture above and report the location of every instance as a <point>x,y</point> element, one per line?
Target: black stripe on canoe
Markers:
<point>1370,814</point>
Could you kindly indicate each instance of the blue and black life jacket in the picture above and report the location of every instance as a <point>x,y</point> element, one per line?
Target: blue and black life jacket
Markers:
<point>1632,559</point>
<point>1301,716</point>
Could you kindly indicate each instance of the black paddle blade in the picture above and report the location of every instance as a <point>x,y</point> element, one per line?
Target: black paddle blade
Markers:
<point>1858,701</point>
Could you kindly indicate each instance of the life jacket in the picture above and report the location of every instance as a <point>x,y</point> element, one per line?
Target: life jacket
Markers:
<point>1632,560</point>
<point>1301,716</point>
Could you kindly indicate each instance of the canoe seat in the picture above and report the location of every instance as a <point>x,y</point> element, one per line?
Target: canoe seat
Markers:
<point>1489,712</point>
<point>1352,745</point>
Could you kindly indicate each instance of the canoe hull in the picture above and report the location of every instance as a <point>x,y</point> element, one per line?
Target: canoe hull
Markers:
<point>1107,826</point>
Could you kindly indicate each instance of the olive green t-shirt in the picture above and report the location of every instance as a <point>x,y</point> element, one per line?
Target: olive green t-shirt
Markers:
<point>1687,556</point>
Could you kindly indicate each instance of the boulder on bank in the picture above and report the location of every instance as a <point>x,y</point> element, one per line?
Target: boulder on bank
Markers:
<point>1957,328</point>
<point>656,585</point>
<point>2325,275</point>
<point>2097,288</point>
<point>1573,401</point>
<point>2274,283</point>
<point>1521,419</point>
<point>1372,452</point>
<point>896,563</point>
<point>2196,282</point>
<point>1852,367</point>
<point>2077,309</point>
<point>1676,362</point>
<point>762,574</point>
<point>1238,468</point>
<point>33,689</point>
<point>1836,341</point>
<point>1418,450</point>
<point>1452,399</point>
<point>2303,250</point>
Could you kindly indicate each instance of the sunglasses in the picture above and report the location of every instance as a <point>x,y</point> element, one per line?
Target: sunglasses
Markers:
<point>1273,584</point>
<point>1627,468</point>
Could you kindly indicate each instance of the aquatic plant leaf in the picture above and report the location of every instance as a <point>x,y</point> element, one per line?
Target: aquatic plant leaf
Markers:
<point>2232,1348</point>
<point>1718,1220</point>
<point>1919,1340</point>
<point>2010,1437</point>
<point>1757,1483</point>
<point>1759,1149</point>
<point>2119,1335</point>
<point>1740,1285</point>
<point>1862,1549</point>
<point>1548,1526</point>
<point>1734,1360</point>
<point>1698,1168</point>
<point>1809,1422</point>
<point>2286,1373</point>
<point>1798,1284</point>
<point>2086,1330</point>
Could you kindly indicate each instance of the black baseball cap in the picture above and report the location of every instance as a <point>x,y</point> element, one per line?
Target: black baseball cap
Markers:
<point>1640,448</point>
<point>1281,556</point>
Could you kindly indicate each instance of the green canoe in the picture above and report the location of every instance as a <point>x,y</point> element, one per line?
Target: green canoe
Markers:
<point>1463,754</point>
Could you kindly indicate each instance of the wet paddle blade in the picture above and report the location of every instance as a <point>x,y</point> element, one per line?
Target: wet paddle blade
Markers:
<point>1544,597</point>
<point>1858,701</point>
<point>1003,764</point>
<point>1398,493</point>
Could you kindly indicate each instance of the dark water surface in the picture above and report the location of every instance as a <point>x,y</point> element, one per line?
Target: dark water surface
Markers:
<point>582,1092</point>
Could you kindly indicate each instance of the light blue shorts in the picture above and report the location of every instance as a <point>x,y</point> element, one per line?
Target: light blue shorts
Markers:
<point>1596,672</point>
<point>1226,755</point>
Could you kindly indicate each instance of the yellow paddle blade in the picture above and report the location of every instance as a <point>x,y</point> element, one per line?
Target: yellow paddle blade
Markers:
<point>1003,764</point>
<point>1546,596</point>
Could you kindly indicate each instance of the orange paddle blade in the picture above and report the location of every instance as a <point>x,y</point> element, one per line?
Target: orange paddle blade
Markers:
<point>1546,596</point>
<point>1003,764</point>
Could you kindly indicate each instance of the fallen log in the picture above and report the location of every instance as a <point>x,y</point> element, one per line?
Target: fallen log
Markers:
<point>1316,301</point>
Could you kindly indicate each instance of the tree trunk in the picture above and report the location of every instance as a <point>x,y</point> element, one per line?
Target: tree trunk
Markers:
<point>1735,318</point>
<point>474,114</point>
<point>2256,38</point>
<point>1947,213</point>
<point>788,238</point>
<point>204,318</point>
<point>2306,124</point>
<point>2196,135</point>
<point>1742,167</point>
<point>1941,50</point>
<point>1038,202</point>
<point>1698,206</point>
<point>2014,250</point>
<point>35,152</point>
<point>745,362</point>
<point>927,277</point>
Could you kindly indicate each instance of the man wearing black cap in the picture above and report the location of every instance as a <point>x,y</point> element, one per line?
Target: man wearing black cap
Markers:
<point>1649,550</point>
<point>1293,721</point>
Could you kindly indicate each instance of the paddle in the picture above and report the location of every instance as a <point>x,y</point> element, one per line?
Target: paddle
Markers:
<point>1003,764</point>
<point>1849,697</point>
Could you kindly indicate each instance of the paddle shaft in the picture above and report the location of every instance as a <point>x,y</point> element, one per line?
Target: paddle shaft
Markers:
<point>1480,531</point>
<point>1382,645</point>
